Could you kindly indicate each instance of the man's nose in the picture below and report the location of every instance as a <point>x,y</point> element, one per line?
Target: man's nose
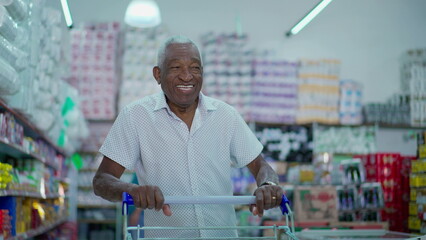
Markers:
<point>186,74</point>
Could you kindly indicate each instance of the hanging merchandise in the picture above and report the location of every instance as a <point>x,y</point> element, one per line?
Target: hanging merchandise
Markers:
<point>140,56</point>
<point>95,69</point>
<point>274,91</point>
<point>318,96</point>
<point>227,69</point>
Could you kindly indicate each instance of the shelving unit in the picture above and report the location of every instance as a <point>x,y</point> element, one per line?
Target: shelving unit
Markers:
<point>16,151</point>
<point>40,230</point>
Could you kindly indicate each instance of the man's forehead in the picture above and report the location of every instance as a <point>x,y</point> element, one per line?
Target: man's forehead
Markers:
<point>179,50</point>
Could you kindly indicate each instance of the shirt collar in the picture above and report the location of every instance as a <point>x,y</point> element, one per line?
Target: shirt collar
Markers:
<point>204,103</point>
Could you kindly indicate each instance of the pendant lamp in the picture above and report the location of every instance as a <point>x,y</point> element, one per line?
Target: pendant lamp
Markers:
<point>142,14</point>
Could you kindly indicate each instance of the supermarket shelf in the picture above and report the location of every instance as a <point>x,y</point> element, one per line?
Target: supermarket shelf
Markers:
<point>282,124</point>
<point>359,210</point>
<point>97,221</point>
<point>35,232</point>
<point>17,151</point>
<point>379,125</point>
<point>97,206</point>
<point>34,131</point>
<point>21,193</point>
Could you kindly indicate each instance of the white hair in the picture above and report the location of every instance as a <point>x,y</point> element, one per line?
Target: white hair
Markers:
<point>174,39</point>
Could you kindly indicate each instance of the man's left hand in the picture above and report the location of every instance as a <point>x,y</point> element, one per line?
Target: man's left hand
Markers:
<point>267,197</point>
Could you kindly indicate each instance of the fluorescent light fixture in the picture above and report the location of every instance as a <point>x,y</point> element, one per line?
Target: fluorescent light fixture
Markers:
<point>308,18</point>
<point>67,13</point>
<point>142,14</point>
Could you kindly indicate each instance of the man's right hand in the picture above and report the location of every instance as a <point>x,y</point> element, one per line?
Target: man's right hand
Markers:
<point>149,197</point>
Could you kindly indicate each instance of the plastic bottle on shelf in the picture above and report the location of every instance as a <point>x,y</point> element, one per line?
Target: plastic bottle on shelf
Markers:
<point>8,28</point>
<point>17,58</point>
<point>9,79</point>
<point>18,9</point>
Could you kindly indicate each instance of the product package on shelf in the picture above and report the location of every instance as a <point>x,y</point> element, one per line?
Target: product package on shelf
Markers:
<point>315,204</point>
<point>350,109</point>
<point>227,70</point>
<point>421,145</point>
<point>345,140</point>
<point>29,214</point>
<point>286,143</point>
<point>140,56</point>
<point>418,94</point>
<point>318,96</point>
<point>274,91</point>
<point>95,70</point>
<point>396,111</point>
<point>417,204</point>
<point>323,168</point>
<point>353,171</point>
<point>18,9</point>
<point>393,173</point>
<point>8,27</point>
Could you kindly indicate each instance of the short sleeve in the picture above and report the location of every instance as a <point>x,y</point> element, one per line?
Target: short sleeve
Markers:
<point>245,147</point>
<point>122,143</point>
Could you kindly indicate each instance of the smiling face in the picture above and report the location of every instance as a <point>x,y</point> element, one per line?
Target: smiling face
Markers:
<point>180,75</point>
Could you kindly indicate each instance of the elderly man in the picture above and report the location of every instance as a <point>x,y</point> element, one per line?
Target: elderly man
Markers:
<point>182,143</point>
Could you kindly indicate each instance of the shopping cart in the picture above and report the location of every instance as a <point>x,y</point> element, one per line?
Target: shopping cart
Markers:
<point>279,232</point>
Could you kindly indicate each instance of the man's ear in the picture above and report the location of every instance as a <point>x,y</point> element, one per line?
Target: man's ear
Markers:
<point>156,72</point>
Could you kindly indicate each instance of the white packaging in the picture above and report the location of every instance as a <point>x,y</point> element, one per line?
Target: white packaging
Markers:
<point>9,80</point>
<point>18,9</point>
<point>8,28</point>
<point>12,55</point>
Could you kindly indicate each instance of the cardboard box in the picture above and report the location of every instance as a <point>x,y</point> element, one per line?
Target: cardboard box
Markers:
<point>315,203</point>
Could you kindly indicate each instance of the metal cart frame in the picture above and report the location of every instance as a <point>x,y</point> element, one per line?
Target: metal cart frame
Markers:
<point>127,200</point>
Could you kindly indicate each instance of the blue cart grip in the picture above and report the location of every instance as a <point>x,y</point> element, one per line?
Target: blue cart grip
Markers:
<point>284,203</point>
<point>128,200</point>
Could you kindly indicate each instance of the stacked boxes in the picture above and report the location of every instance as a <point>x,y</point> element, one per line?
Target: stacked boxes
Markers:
<point>413,83</point>
<point>389,175</point>
<point>140,56</point>
<point>350,109</point>
<point>392,171</point>
<point>396,111</point>
<point>94,69</point>
<point>417,206</point>
<point>274,91</point>
<point>227,70</point>
<point>417,95</point>
<point>318,91</point>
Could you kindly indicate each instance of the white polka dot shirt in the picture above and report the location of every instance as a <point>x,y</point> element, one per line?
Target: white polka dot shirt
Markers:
<point>149,138</point>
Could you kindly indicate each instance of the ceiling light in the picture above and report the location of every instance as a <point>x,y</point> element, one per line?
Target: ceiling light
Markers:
<point>67,13</point>
<point>308,18</point>
<point>142,14</point>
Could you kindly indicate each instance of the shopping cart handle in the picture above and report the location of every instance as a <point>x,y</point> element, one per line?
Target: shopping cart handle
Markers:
<point>284,205</point>
<point>285,209</point>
